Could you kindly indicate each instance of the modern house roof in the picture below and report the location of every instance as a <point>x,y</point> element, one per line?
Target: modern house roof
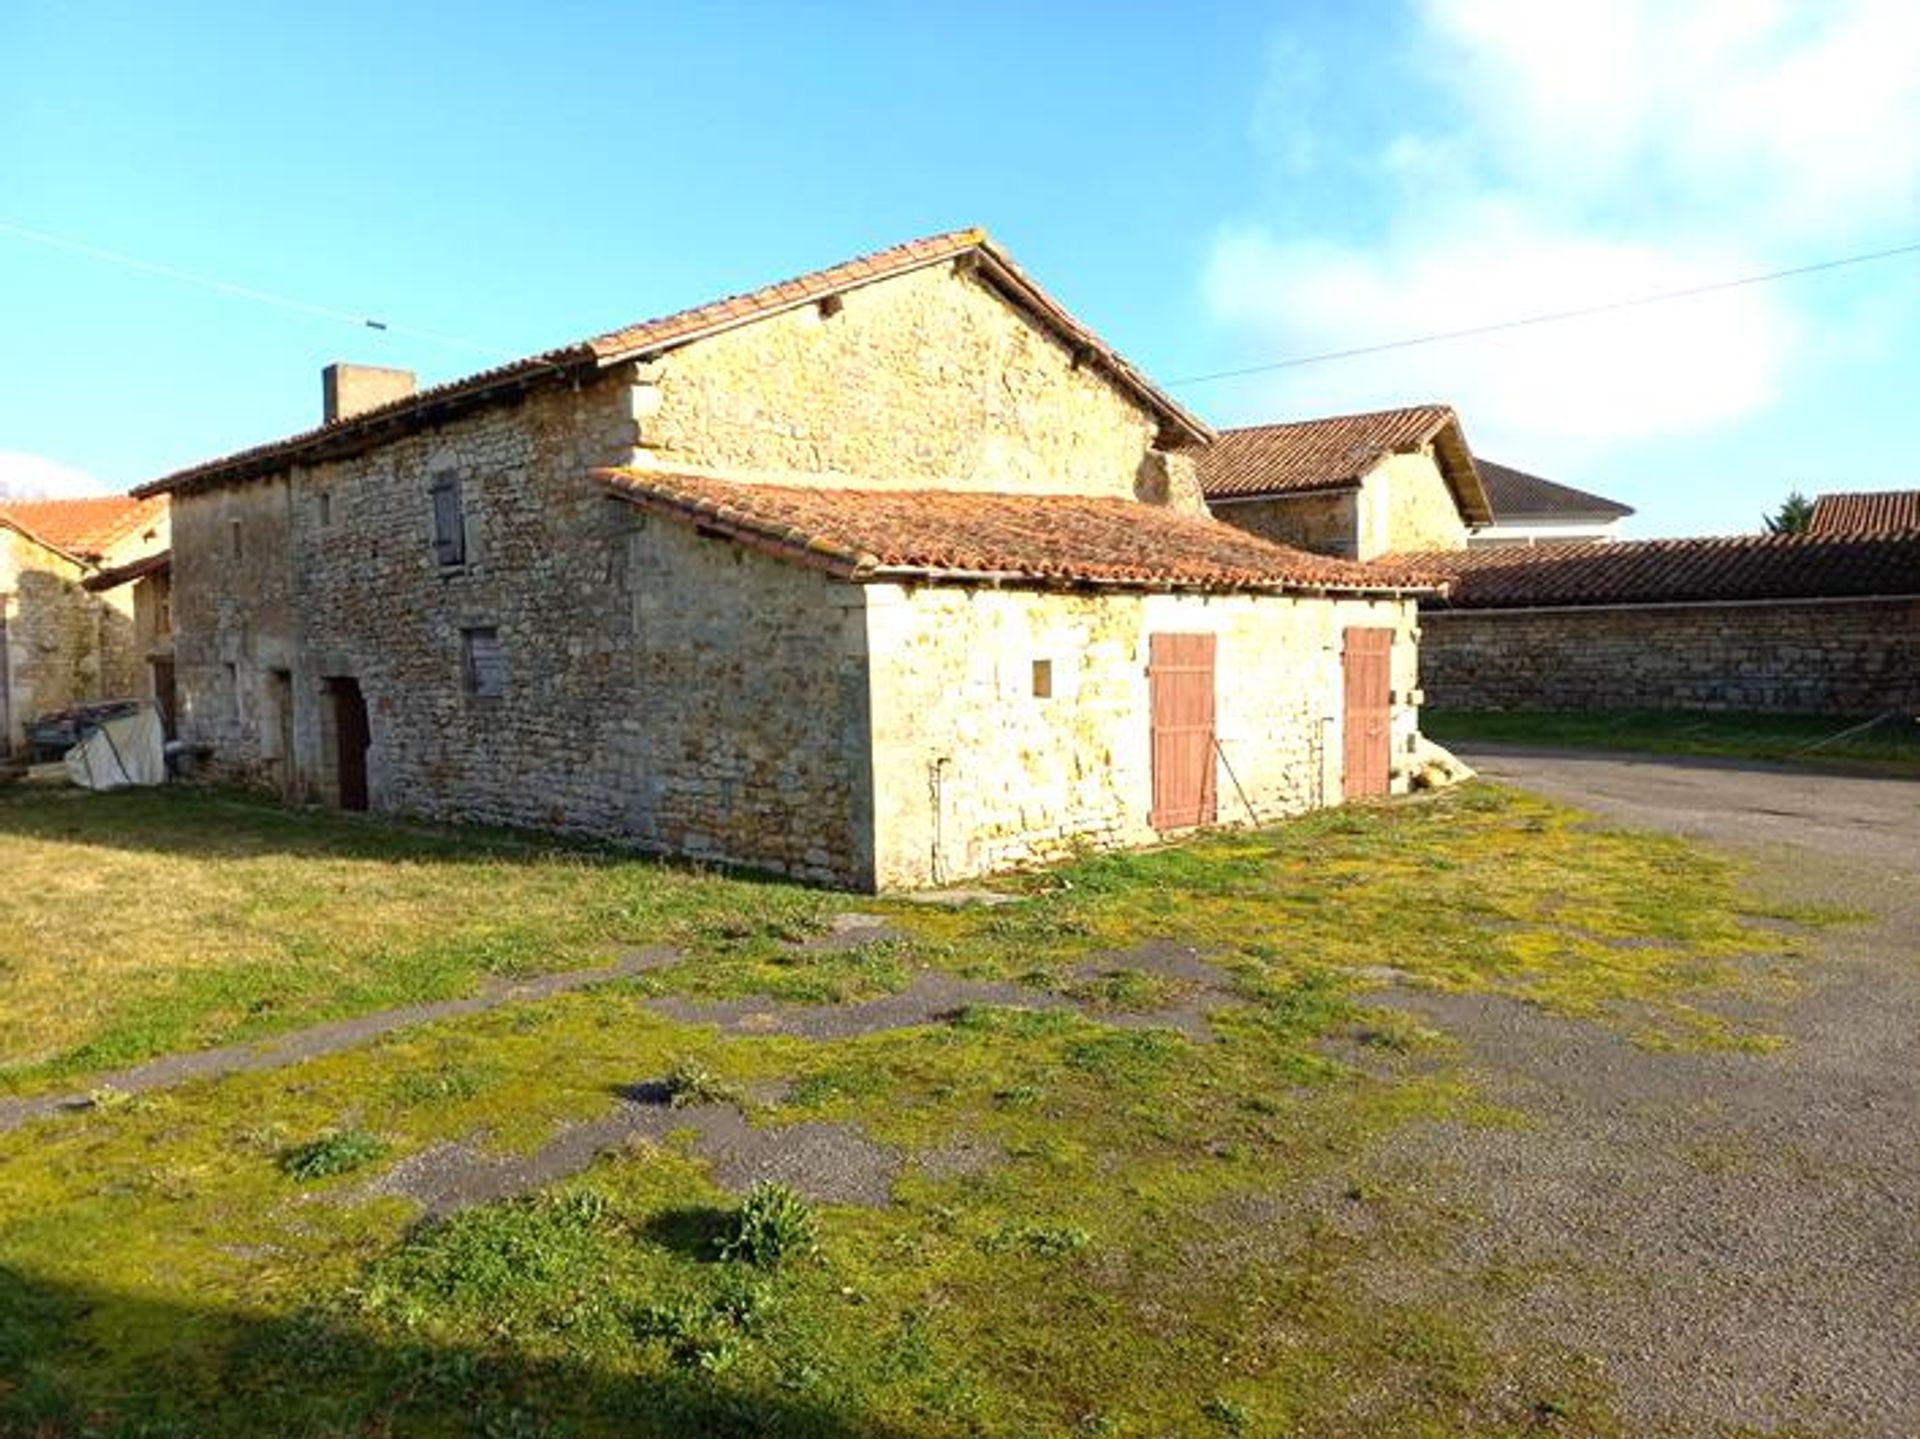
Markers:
<point>1336,453</point>
<point>85,528</point>
<point>1047,541</point>
<point>1517,496</point>
<point>1869,512</point>
<point>1629,572</point>
<point>654,337</point>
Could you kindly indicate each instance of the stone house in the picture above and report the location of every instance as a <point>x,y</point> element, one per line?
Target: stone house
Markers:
<point>62,644</point>
<point>1783,624</point>
<point>883,576</point>
<point>1355,486</point>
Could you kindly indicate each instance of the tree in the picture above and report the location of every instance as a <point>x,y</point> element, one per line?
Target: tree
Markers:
<point>1794,517</point>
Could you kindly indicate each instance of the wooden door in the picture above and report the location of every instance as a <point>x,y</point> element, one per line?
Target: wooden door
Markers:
<point>1367,664</point>
<point>1180,683</point>
<point>352,736</point>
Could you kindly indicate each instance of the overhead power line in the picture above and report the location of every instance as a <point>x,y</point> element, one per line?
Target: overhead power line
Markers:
<point>1551,317</point>
<point>237,291</point>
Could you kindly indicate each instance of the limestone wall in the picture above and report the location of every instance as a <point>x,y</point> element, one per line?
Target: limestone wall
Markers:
<point>925,380</point>
<point>974,772</point>
<point>1407,506</point>
<point>62,645</point>
<point>1783,658</point>
<point>680,693</point>
<point>1326,523</point>
<point>235,621</point>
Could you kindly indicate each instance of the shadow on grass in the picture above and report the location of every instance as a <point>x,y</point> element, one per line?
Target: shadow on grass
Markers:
<point>207,1372</point>
<point>211,822</point>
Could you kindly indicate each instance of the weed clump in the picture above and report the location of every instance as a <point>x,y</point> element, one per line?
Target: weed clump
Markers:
<point>690,1082</point>
<point>775,1223</point>
<point>331,1154</point>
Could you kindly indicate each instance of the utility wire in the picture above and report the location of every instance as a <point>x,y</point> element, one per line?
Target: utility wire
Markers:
<point>240,292</point>
<point>1551,316</point>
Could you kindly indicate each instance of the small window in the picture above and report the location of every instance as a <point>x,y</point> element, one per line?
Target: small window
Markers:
<point>449,524</point>
<point>1043,679</point>
<point>233,690</point>
<point>163,609</point>
<point>486,664</point>
<point>325,506</point>
<point>233,537</point>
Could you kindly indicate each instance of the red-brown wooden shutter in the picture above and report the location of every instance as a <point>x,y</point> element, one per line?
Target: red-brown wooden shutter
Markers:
<point>1180,683</point>
<point>1367,667</point>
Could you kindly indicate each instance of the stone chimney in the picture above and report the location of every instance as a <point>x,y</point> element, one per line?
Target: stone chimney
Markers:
<point>349,390</point>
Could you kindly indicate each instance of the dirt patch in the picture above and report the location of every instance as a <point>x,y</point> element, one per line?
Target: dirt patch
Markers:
<point>935,997</point>
<point>832,1163</point>
<point>321,1039</point>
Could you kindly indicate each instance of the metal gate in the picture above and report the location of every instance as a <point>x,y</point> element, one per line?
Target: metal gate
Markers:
<point>1180,681</point>
<point>1367,665</point>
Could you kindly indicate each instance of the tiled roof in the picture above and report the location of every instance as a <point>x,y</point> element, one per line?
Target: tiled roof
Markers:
<point>1517,495</point>
<point>85,527</point>
<point>1866,513</point>
<point>1625,572</point>
<point>946,535</point>
<point>160,561</point>
<point>652,337</point>
<point>1305,456</point>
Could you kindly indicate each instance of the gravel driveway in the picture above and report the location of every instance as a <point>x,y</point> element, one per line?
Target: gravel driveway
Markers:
<point>1732,1239</point>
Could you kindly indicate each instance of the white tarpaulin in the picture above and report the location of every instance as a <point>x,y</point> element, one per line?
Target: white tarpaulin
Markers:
<point>129,750</point>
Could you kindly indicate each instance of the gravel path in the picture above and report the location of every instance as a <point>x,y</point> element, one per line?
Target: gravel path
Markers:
<point>1736,1237</point>
<point>319,1039</point>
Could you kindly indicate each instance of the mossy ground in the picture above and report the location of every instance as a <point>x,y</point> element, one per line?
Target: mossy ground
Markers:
<point>1157,1236</point>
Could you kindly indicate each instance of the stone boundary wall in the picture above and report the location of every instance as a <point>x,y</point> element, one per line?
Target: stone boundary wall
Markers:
<point>1779,657</point>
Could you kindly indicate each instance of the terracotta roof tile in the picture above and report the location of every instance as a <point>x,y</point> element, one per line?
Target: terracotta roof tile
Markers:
<point>1048,540</point>
<point>1334,453</point>
<point>85,527</point>
<point>1517,495</point>
<point>1866,512</point>
<point>1305,455</point>
<point>1737,567</point>
<point>652,336</point>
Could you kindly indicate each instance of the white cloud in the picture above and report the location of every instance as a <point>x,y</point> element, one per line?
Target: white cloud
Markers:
<point>1578,155</point>
<point>35,477</point>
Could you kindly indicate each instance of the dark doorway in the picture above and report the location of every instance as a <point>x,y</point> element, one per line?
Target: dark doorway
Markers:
<point>351,738</point>
<point>164,693</point>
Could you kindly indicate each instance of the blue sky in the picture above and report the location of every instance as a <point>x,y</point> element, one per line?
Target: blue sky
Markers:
<point>1249,183</point>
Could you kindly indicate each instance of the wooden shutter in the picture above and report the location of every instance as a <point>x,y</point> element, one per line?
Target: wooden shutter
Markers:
<point>449,529</point>
<point>1367,666</point>
<point>486,664</point>
<point>1180,684</point>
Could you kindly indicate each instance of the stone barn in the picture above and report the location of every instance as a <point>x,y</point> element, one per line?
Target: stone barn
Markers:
<point>884,576</point>
<point>1356,486</point>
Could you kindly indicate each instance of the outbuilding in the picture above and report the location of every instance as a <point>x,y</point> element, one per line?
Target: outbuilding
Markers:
<point>888,575</point>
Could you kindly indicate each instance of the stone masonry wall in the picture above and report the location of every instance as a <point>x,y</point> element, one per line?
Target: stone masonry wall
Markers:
<point>680,693</point>
<point>1327,524</point>
<point>928,380</point>
<point>1785,658</point>
<point>974,772</point>
<point>62,645</point>
<point>1413,508</point>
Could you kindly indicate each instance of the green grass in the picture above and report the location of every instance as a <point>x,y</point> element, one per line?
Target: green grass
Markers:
<point>1140,1251</point>
<point>1892,746</point>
